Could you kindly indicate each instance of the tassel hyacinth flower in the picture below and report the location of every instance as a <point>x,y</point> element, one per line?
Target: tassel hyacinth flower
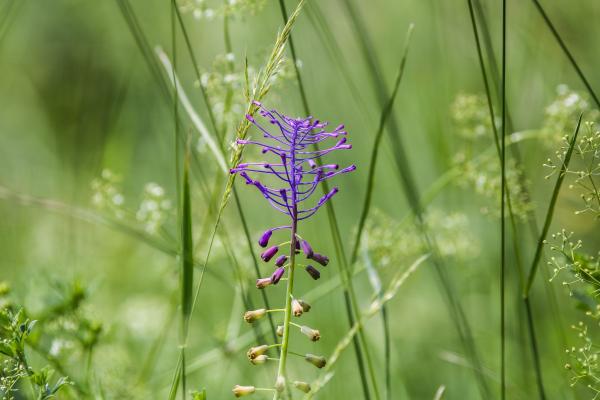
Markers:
<point>288,181</point>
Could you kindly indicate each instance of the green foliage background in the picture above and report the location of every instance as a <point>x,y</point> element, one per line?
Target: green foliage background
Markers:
<point>77,97</point>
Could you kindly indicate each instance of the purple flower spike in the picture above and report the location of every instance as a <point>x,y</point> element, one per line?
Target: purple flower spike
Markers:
<point>264,239</point>
<point>276,277</point>
<point>281,260</point>
<point>321,259</point>
<point>269,253</point>
<point>291,142</point>
<point>313,272</point>
<point>308,251</point>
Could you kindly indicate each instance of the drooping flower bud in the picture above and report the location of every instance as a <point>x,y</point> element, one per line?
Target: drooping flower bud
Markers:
<point>280,384</point>
<point>308,251</point>
<point>317,361</point>
<point>259,359</point>
<point>313,272</point>
<point>297,308</point>
<point>276,277</point>
<point>303,386</point>
<point>279,331</point>
<point>256,351</point>
<point>264,239</point>
<point>312,334</point>
<point>263,283</point>
<point>253,315</point>
<point>281,260</point>
<point>321,259</point>
<point>269,253</point>
<point>240,391</point>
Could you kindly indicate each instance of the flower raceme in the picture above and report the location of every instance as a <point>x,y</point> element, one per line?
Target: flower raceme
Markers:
<point>288,181</point>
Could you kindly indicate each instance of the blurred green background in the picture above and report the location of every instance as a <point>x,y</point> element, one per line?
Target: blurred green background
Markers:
<point>77,97</point>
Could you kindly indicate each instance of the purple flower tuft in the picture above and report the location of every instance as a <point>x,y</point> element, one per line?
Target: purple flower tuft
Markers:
<point>294,163</point>
<point>276,277</point>
<point>313,272</point>
<point>321,259</point>
<point>269,253</point>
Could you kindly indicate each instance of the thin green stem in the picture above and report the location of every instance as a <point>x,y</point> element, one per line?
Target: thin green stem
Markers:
<point>502,216</point>
<point>281,369</point>
<point>349,296</point>
<point>565,50</point>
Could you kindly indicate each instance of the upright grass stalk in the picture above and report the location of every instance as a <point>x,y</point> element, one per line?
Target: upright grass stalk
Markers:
<point>350,299</point>
<point>567,52</point>
<point>262,87</point>
<point>457,314</point>
<point>385,113</point>
<point>533,226</point>
<point>506,189</point>
<point>538,255</point>
<point>502,214</point>
<point>184,214</point>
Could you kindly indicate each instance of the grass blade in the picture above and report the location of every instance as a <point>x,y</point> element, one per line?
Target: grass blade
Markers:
<point>550,212</point>
<point>407,182</point>
<point>537,257</point>
<point>392,290</point>
<point>567,52</point>
<point>350,300</point>
<point>385,114</point>
<point>503,214</point>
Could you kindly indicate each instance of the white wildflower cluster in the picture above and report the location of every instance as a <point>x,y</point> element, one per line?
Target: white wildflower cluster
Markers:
<point>479,167</point>
<point>583,360</point>
<point>390,242</point>
<point>584,168</point>
<point>152,213</point>
<point>583,270</point>
<point>471,116</point>
<point>209,10</point>
<point>107,195</point>
<point>483,176</point>
<point>561,115</point>
<point>154,209</point>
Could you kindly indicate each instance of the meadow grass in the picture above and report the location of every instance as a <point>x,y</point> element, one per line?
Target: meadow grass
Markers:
<point>207,248</point>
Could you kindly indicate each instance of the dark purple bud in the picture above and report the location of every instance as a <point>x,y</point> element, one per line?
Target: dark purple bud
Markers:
<point>276,277</point>
<point>250,118</point>
<point>313,272</point>
<point>297,245</point>
<point>264,239</point>
<point>281,260</point>
<point>308,251</point>
<point>321,259</point>
<point>269,253</point>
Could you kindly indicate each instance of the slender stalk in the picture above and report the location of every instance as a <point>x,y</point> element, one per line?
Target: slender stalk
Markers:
<point>281,369</point>
<point>502,215</point>
<point>565,50</point>
<point>550,212</point>
<point>538,255</point>
<point>350,300</point>
<point>506,190</point>
<point>407,182</point>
